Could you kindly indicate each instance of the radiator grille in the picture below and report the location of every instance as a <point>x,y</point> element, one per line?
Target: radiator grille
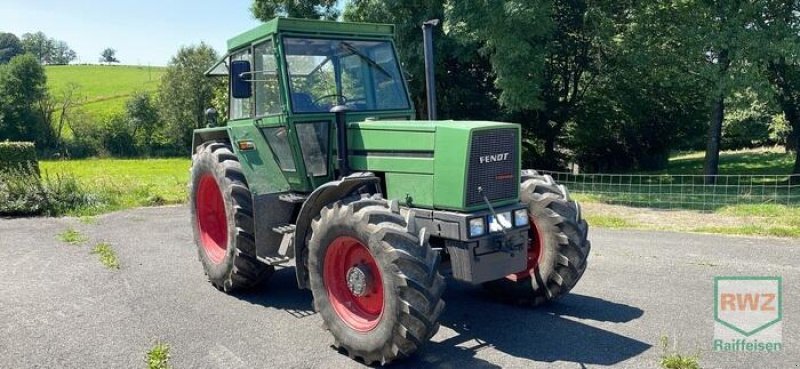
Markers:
<point>493,166</point>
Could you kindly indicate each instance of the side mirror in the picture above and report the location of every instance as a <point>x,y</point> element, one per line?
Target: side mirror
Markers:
<point>240,84</point>
<point>211,117</point>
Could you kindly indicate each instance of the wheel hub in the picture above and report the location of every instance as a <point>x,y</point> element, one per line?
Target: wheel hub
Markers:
<point>358,280</point>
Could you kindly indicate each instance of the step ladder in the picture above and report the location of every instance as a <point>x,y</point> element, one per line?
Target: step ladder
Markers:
<point>282,257</point>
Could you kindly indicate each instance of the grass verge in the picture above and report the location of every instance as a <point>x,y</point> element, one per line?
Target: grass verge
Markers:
<point>106,254</point>
<point>72,237</point>
<point>158,357</point>
<point>767,220</point>
<point>609,221</point>
<point>123,184</point>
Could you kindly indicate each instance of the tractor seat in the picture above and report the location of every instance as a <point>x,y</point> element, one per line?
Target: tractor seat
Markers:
<point>303,103</point>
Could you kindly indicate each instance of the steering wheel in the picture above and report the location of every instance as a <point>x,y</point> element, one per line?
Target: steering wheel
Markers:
<point>344,98</point>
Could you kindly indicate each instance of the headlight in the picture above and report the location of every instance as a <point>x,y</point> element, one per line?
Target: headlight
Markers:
<point>521,217</point>
<point>503,221</point>
<point>477,227</point>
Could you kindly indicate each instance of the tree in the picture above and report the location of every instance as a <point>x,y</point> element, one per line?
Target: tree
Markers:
<point>47,50</point>
<point>22,87</point>
<point>719,43</point>
<point>546,56</point>
<point>637,114</point>
<point>315,9</point>
<point>56,111</point>
<point>142,115</point>
<point>185,93</point>
<point>108,56</point>
<point>464,79</point>
<point>62,54</point>
<point>39,45</point>
<point>10,46</point>
<point>780,21</point>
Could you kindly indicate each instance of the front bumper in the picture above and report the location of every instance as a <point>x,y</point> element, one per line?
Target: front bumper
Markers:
<point>477,259</point>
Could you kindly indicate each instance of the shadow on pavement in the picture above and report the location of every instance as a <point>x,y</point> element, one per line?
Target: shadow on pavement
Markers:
<point>546,334</point>
<point>281,293</point>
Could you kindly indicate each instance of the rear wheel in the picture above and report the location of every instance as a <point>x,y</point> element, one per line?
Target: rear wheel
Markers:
<point>558,246</point>
<point>222,215</point>
<point>375,281</point>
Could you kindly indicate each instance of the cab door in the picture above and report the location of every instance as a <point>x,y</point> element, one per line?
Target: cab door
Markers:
<point>270,111</point>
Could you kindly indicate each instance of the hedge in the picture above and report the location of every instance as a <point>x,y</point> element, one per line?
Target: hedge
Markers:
<point>18,155</point>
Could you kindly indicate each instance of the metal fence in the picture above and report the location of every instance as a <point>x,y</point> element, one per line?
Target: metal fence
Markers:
<point>669,191</point>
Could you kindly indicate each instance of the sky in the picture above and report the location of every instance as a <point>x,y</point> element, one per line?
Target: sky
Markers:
<point>144,32</point>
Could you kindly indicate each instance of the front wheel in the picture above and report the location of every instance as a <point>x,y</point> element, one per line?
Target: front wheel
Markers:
<point>558,246</point>
<point>375,282</point>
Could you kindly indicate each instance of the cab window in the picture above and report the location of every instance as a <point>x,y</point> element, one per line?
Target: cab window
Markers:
<point>266,82</point>
<point>364,75</point>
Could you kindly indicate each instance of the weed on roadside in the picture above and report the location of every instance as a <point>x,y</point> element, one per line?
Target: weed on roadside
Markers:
<point>72,237</point>
<point>87,219</point>
<point>672,359</point>
<point>158,356</point>
<point>106,254</point>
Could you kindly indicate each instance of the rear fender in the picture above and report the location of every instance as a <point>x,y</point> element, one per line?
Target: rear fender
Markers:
<point>323,196</point>
<point>202,136</point>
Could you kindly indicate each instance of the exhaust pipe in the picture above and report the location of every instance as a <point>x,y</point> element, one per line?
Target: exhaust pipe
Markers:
<point>430,78</point>
<point>341,140</point>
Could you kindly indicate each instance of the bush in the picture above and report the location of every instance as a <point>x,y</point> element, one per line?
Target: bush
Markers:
<point>18,156</point>
<point>23,194</point>
<point>746,133</point>
<point>110,135</point>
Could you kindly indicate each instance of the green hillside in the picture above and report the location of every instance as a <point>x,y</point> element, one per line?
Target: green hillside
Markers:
<point>105,88</point>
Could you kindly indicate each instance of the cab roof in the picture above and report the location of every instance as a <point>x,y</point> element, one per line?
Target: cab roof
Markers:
<point>310,27</point>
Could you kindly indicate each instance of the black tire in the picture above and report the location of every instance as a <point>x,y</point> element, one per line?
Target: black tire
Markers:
<point>413,287</point>
<point>559,231</point>
<point>235,267</point>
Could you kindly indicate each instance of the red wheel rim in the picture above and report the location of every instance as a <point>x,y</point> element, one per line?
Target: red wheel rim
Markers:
<point>347,259</point>
<point>534,252</point>
<point>211,219</point>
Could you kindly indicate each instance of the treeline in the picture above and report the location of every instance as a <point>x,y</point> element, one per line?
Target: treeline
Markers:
<point>151,124</point>
<point>611,85</point>
<point>47,50</point>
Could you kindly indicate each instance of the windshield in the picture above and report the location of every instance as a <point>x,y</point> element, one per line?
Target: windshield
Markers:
<point>364,75</point>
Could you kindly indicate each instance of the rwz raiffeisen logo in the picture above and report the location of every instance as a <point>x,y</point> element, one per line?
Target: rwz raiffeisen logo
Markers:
<point>748,313</point>
<point>495,158</point>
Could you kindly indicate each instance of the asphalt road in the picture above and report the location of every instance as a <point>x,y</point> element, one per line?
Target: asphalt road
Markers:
<point>60,308</point>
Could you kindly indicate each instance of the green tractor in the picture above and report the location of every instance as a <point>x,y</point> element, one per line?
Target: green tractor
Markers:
<point>322,164</point>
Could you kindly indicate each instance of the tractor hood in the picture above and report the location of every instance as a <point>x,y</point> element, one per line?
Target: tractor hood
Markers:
<point>448,165</point>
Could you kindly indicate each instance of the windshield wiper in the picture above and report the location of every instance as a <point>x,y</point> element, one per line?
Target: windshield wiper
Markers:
<point>365,58</point>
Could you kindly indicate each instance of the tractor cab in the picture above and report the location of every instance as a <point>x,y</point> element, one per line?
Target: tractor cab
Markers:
<point>287,76</point>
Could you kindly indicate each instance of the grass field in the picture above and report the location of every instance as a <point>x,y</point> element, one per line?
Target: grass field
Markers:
<point>123,184</point>
<point>105,88</point>
<point>761,161</point>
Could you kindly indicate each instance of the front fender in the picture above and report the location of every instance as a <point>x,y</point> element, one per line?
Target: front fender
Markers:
<point>324,195</point>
